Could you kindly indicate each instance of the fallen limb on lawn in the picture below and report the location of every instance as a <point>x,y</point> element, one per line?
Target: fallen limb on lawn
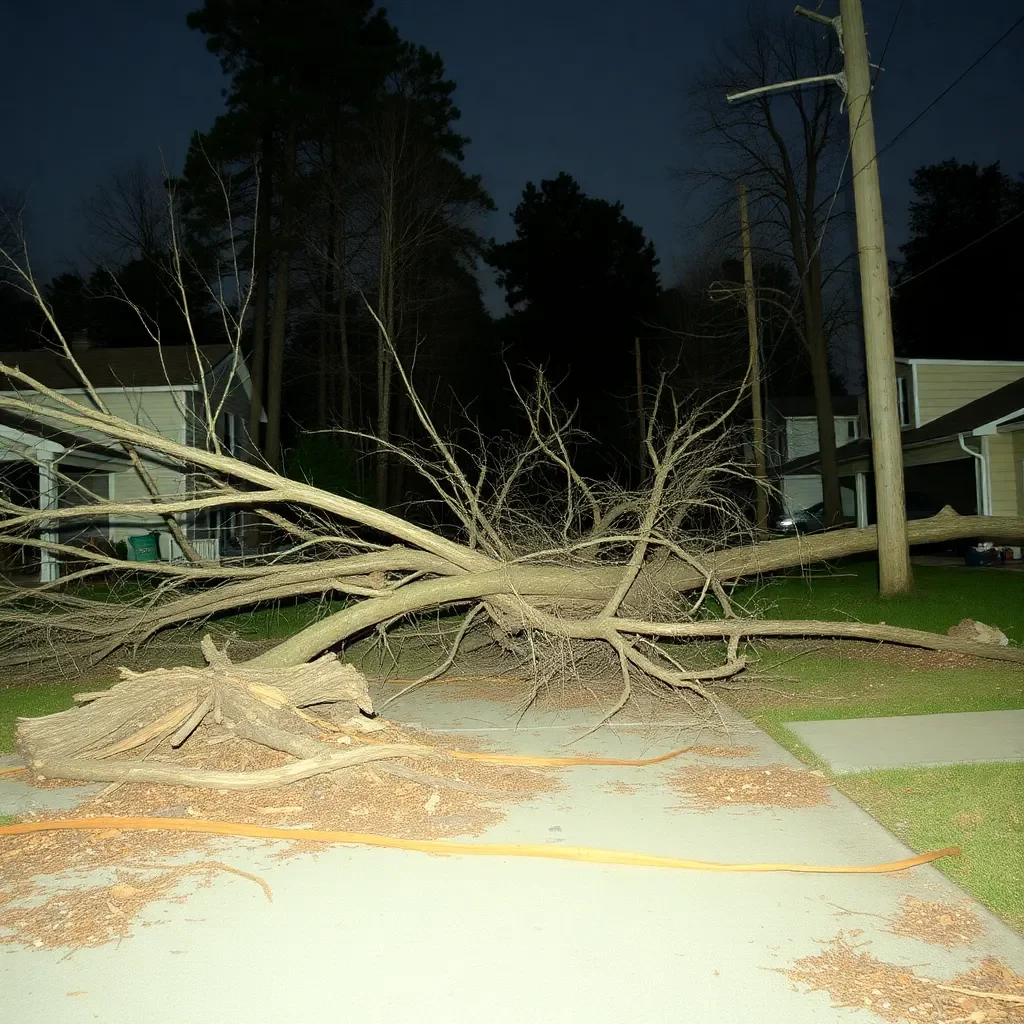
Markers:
<point>585,854</point>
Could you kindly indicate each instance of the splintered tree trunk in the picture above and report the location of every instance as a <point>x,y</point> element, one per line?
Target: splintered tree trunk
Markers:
<point>164,707</point>
<point>279,317</point>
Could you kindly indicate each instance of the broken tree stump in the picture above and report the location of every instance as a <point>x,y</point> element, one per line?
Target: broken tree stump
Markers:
<point>167,705</point>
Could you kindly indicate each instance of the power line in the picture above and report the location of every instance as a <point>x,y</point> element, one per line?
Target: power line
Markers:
<point>885,46</point>
<point>849,149</point>
<point>952,85</point>
<point>910,124</point>
<point>963,248</point>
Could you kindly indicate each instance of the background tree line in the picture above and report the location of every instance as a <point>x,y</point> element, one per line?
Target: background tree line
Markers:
<point>339,159</point>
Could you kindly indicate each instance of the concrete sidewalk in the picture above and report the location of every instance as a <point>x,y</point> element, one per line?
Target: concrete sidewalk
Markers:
<point>388,936</point>
<point>867,744</point>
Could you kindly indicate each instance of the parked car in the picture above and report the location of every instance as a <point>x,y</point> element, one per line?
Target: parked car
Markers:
<point>804,520</point>
<point>812,520</point>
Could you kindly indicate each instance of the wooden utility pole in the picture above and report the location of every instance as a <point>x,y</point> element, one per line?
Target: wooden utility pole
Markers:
<point>757,413</point>
<point>894,573</point>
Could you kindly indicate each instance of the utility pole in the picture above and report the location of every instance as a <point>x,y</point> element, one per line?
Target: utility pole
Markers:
<point>757,413</point>
<point>640,407</point>
<point>894,573</point>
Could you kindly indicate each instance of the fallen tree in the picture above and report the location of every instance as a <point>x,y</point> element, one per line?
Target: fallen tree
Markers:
<point>552,567</point>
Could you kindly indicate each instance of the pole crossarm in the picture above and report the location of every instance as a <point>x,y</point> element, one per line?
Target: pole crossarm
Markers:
<point>822,19</point>
<point>736,97</point>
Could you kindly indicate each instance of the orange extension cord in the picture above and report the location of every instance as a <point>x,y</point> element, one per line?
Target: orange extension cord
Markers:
<point>586,854</point>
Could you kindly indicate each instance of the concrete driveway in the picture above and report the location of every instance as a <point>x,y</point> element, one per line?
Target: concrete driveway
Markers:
<point>376,935</point>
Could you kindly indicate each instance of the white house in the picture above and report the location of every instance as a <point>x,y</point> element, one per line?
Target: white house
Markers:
<point>161,389</point>
<point>793,434</point>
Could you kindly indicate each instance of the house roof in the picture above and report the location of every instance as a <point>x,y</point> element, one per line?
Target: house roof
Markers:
<point>803,405</point>
<point>991,408</point>
<point>37,440</point>
<point>137,367</point>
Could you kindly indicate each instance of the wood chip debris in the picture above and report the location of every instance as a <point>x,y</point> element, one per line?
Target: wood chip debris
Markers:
<point>990,993</point>
<point>941,924</point>
<point>776,785</point>
<point>43,903</point>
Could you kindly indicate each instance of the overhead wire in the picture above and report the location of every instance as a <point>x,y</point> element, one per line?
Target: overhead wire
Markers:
<point>956,81</point>
<point>841,185</point>
<point>963,248</point>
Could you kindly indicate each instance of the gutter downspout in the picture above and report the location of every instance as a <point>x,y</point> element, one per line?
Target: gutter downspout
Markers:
<point>986,503</point>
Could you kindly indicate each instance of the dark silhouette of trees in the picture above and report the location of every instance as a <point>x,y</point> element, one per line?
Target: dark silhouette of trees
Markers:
<point>127,217</point>
<point>705,345</point>
<point>341,160</point>
<point>111,304</point>
<point>581,282</point>
<point>291,64</point>
<point>954,288</point>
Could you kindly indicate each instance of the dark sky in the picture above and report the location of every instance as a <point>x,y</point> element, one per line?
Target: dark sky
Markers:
<point>592,87</point>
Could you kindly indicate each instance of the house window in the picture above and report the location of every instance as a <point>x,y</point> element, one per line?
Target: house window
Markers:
<point>852,430</point>
<point>903,400</point>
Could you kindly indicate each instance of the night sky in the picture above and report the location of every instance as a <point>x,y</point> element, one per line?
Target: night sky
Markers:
<point>592,87</point>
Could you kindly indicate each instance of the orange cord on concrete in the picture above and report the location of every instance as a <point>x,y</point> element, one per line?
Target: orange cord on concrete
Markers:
<point>585,854</point>
<point>13,771</point>
<point>540,762</point>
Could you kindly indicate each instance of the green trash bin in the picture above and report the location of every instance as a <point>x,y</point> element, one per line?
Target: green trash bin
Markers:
<point>145,547</point>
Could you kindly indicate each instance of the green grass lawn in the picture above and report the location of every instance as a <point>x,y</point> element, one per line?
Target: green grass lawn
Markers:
<point>943,595</point>
<point>32,702</point>
<point>979,808</point>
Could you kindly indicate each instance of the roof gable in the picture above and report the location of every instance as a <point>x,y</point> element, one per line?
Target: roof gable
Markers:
<point>138,367</point>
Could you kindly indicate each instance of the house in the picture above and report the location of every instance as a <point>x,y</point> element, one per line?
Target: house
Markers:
<point>160,388</point>
<point>962,426</point>
<point>792,433</point>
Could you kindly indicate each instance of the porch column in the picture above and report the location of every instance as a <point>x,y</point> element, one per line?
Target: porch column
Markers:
<point>49,566</point>
<point>862,498</point>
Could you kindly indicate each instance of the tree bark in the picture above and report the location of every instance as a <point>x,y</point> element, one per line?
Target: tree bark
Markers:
<point>385,339</point>
<point>581,589</point>
<point>279,317</point>
<point>341,291</point>
<point>830,493</point>
<point>261,292</point>
<point>806,259</point>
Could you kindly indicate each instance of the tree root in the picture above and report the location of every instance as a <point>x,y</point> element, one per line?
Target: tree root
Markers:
<point>263,707</point>
<point>93,770</point>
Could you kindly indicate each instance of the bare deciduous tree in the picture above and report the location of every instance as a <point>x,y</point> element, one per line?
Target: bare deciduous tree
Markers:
<point>788,148</point>
<point>127,217</point>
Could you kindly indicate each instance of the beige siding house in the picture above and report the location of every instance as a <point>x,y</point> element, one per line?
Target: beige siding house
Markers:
<point>963,438</point>
<point>165,391</point>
